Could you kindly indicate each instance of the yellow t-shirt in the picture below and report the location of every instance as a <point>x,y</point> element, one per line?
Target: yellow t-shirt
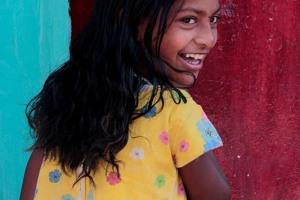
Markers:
<point>159,143</point>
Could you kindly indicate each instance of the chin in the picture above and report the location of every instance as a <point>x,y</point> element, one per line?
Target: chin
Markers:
<point>184,83</point>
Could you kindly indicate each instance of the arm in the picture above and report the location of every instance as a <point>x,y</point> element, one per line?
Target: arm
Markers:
<point>31,175</point>
<point>204,179</point>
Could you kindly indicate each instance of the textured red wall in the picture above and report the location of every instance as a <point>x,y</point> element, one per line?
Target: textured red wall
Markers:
<point>250,89</point>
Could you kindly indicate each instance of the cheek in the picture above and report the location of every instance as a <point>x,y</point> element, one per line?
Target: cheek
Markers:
<point>168,45</point>
<point>215,35</point>
<point>173,43</point>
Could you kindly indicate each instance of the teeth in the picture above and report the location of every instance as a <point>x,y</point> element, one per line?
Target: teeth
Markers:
<point>196,62</point>
<point>195,56</point>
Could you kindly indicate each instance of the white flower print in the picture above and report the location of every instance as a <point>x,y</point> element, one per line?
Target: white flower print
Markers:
<point>137,153</point>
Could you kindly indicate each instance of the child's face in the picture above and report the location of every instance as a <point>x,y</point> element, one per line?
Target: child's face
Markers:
<point>189,38</point>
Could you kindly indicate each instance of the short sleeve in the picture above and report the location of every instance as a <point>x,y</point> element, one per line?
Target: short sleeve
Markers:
<point>193,134</point>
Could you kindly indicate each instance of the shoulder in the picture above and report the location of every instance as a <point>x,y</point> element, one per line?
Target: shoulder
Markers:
<point>31,175</point>
<point>172,99</point>
<point>182,105</point>
<point>176,107</point>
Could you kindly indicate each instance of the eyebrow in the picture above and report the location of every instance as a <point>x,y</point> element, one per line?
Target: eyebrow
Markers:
<point>218,10</point>
<point>198,11</point>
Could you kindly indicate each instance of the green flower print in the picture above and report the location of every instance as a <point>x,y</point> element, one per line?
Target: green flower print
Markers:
<point>160,181</point>
<point>175,95</point>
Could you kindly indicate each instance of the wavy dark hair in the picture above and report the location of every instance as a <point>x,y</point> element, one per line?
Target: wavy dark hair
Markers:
<point>83,112</point>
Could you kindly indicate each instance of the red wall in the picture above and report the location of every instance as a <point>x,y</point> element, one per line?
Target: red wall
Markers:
<point>250,89</point>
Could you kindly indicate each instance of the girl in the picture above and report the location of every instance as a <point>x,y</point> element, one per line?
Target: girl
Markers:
<point>116,121</point>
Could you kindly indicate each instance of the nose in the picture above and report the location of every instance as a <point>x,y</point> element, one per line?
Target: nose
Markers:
<point>205,37</point>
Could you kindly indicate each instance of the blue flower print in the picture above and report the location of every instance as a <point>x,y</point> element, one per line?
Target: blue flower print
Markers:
<point>150,113</point>
<point>54,176</point>
<point>35,192</point>
<point>209,135</point>
<point>90,195</point>
<point>67,197</point>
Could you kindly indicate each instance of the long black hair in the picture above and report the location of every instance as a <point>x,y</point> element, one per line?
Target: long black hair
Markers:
<point>82,114</point>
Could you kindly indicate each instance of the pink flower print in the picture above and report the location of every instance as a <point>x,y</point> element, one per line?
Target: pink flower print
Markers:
<point>174,159</point>
<point>113,178</point>
<point>180,189</point>
<point>164,137</point>
<point>145,88</point>
<point>205,117</point>
<point>184,146</point>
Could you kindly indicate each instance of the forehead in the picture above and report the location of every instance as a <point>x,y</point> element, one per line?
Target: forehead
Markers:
<point>201,6</point>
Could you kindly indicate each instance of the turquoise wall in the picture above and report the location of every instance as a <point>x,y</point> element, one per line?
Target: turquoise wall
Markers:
<point>34,39</point>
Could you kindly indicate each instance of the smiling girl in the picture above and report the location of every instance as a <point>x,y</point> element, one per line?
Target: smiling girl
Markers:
<point>116,120</point>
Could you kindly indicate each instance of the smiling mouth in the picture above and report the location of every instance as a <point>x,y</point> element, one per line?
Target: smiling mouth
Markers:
<point>193,59</point>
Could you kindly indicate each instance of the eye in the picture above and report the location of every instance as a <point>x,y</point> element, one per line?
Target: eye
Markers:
<point>214,19</point>
<point>189,20</point>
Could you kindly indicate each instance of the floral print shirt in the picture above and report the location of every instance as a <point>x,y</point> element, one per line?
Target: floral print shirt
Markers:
<point>159,143</point>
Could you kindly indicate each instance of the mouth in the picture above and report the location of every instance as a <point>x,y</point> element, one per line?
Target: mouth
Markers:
<point>193,59</point>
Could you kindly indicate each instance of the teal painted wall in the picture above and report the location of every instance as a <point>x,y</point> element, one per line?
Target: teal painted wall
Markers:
<point>34,40</point>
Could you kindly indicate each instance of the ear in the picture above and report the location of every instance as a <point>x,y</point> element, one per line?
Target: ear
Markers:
<point>141,29</point>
